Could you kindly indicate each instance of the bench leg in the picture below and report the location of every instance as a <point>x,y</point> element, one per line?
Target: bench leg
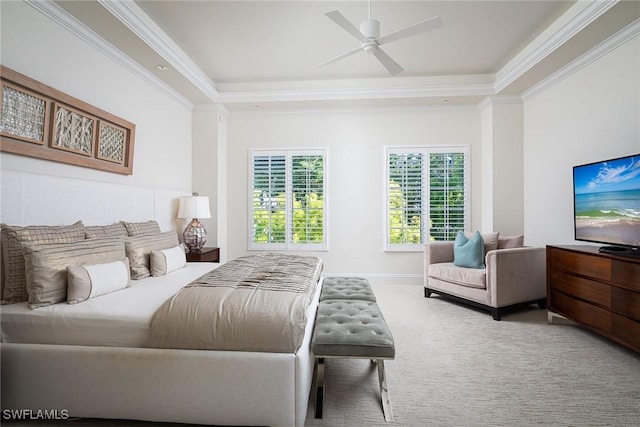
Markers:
<point>384,392</point>
<point>319,386</point>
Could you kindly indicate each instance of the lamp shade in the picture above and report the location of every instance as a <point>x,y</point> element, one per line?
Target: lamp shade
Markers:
<point>194,207</point>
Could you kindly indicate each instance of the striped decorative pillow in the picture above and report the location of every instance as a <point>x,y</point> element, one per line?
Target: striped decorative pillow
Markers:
<point>14,238</point>
<point>141,228</point>
<point>46,265</point>
<point>102,231</point>
<point>139,251</point>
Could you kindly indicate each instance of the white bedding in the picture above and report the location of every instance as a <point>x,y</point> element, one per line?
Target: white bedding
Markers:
<point>118,319</point>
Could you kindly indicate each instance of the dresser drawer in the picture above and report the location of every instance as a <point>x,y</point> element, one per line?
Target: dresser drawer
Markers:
<point>626,274</point>
<point>626,302</point>
<point>581,288</point>
<point>590,266</point>
<point>580,311</point>
<point>627,330</point>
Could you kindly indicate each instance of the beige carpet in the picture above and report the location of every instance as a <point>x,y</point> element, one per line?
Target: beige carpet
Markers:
<point>456,366</point>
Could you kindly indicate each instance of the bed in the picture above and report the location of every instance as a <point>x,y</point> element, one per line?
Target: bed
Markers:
<point>95,360</point>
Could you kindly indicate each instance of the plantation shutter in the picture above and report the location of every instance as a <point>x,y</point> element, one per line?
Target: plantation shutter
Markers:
<point>448,195</point>
<point>427,195</point>
<point>269,196</point>
<point>307,190</point>
<point>288,199</point>
<point>405,197</point>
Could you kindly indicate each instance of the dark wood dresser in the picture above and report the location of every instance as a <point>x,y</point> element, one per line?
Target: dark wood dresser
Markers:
<point>599,291</point>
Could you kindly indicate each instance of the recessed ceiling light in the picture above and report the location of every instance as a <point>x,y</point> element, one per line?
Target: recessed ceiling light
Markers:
<point>162,67</point>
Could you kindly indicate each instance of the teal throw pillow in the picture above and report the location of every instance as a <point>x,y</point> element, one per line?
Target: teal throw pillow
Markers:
<point>468,252</point>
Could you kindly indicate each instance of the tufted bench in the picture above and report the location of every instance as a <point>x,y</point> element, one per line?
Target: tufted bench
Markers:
<point>347,326</point>
<point>356,288</point>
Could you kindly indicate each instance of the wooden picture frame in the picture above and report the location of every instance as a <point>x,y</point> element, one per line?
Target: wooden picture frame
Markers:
<point>39,121</point>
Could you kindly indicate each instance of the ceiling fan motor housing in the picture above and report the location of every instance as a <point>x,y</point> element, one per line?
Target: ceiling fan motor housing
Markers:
<point>370,29</point>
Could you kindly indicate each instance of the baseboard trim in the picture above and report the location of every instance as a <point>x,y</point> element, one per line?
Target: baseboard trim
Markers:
<point>384,279</point>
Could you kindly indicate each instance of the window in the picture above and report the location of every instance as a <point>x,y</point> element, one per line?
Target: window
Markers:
<point>288,199</point>
<point>427,195</point>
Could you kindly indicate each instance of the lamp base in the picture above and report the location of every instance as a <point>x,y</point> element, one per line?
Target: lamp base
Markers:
<point>194,236</point>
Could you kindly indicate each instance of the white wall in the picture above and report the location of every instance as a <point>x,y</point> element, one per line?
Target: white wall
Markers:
<point>592,115</point>
<point>205,165</point>
<point>35,46</point>
<point>355,142</point>
<point>502,164</point>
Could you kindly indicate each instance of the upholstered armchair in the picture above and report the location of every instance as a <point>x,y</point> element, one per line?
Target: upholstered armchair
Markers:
<point>513,276</point>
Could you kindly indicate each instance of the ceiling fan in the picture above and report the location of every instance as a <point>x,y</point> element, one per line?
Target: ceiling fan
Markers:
<point>370,40</point>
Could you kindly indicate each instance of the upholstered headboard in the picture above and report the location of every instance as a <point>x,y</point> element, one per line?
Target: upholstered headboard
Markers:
<point>32,199</point>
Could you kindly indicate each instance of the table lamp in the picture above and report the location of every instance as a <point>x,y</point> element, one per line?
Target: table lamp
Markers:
<point>195,235</point>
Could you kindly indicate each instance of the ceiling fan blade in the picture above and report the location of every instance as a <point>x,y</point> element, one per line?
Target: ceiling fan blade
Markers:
<point>391,65</point>
<point>412,30</point>
<point>344,23</point>
<point>344,55</point>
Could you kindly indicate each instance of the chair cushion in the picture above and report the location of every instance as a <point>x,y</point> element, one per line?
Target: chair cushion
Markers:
<point>468,252</point>
<point>449,272</point>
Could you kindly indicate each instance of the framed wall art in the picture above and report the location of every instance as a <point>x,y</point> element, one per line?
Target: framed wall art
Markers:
<point>40,121</point>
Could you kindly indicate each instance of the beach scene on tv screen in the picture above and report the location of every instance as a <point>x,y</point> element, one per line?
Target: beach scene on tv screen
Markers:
<point>607,201</point>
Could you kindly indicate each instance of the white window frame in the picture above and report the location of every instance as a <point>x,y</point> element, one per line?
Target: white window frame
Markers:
<point>425,151</point>
<point>289,244</point>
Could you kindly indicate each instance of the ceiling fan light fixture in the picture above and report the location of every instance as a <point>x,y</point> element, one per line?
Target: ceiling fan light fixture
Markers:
<point>369,47</point>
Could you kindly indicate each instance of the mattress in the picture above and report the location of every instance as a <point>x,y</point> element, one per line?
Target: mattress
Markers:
<point>118,319</point>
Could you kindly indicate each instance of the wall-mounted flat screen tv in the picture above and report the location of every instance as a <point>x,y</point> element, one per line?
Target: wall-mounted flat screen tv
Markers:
<point>607,203</point>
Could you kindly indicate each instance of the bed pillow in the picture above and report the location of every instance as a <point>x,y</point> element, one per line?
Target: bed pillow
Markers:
<point>139,251</point>
<point>101,231</point>
<point>90,281</point>
<point>167,260</point>
<point>511,242</point>
<point>46,265</point>
<point>141,228</point>
<point>13,240</point>
<point>468,252</point>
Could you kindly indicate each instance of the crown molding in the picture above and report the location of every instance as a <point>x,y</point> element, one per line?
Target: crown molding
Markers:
<point>207,108</point>
<point>353,110</point>
<point>500,100</point>
<point>139,22</point>
<point>442,90</point>
<point>572,22</point>
<point>61,17</point>
<point>621,37</point>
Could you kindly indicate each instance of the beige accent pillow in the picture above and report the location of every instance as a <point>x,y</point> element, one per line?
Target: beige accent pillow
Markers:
<point>46,265</point>
<point>490,240</point>
<point>511,242</point>
<point>139,251</point>
<point>102,231</point>
<point>90,281</point>
<point>167,260</point>
<point>14,238</point>
<point>141,228</point>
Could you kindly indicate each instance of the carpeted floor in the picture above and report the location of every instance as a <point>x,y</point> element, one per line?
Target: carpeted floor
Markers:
<point>456,366</point>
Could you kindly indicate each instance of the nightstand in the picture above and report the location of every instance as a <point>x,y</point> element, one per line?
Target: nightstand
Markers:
<point>204,255</point>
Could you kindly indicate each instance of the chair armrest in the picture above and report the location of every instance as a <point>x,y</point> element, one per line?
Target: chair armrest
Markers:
<point>436,252</point>
<point>516,275</point>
